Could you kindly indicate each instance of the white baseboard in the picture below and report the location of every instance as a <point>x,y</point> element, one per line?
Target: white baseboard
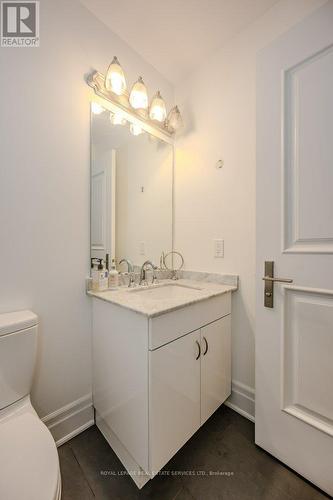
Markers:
<point>70,420</point>
<point>78,416</point>
<point>242,400</point>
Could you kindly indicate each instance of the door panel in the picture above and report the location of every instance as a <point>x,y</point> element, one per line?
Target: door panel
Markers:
<point>215,365</point>
<point>294,340</point>
<point>174,405</point>
<point>103,202</point>
<point>307,356</point>
<point>98,237</point>
<point>307,125</point>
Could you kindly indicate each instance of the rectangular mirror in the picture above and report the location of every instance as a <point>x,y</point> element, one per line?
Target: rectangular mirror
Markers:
<point>131,193</point>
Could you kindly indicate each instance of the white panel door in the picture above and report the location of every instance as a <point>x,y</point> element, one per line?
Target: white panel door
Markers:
<point>174,401</point>
<point>103,203</point>
<point>215,365</point>
<point>294,339</point>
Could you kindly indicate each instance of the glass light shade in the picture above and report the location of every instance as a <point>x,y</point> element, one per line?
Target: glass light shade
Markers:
<point>96,108</point>
<point>115,78</point>
<point>138,97</point>
<point>157,110</point>
<point>117,119</point>
<point>174,121</point>
<point>135,129</point>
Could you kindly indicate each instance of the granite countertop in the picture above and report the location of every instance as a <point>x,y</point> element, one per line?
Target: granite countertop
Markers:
<point>142,299</point>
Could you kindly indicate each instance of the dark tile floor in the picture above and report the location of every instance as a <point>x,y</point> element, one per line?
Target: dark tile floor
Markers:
<point>225,443</point>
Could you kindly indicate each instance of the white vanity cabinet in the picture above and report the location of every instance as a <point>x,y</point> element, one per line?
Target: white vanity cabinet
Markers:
<point>174,405</point>
<point>215,365</point>
<point>156,380</point>
<point>189,378</point>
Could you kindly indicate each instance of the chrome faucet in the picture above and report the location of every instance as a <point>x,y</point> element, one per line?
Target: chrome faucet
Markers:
<point>143,277</point>
<point>130,271</point>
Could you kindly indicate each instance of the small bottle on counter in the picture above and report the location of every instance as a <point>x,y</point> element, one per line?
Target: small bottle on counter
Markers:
<point>99,274</point>
<point>113,276</point>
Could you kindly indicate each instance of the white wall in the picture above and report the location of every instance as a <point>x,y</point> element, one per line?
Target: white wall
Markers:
<point>44,187</point>
<point>219,105</point>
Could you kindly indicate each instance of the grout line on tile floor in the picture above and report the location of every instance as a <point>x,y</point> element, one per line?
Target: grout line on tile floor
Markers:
<point>83,473</point>
<point>183,488</point>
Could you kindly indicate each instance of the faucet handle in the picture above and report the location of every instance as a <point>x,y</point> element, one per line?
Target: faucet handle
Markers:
<point>131,280</point>
<point>155,280</point>
<point>162,262</point>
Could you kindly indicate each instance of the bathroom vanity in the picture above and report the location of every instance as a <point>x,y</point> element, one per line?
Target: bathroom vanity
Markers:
<point>161,367</point>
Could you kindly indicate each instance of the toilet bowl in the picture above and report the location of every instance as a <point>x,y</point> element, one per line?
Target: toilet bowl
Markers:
<point>29,463</point>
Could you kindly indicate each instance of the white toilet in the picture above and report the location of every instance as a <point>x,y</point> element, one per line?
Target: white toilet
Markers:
<point>29,463</point>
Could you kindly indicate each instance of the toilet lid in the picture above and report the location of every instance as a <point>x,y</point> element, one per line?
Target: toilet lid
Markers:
<point>29,464</point>
<point>16,321</point>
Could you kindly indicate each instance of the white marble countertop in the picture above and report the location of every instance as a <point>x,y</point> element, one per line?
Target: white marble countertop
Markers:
<point>188,291</point>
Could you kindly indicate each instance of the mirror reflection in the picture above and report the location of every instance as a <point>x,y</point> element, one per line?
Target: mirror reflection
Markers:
<point>131,193</point>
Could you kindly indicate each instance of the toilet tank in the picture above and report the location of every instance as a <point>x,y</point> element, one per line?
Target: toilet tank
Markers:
<point>18,349</point>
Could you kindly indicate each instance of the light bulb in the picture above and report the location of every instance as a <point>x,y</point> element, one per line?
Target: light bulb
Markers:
<point>135,129</point>
<point>138,97</point>
<point>117,119</point>
<point>174,121</point>
<point>157,110</point>
<point>96,108</point>
<point>115,78</point>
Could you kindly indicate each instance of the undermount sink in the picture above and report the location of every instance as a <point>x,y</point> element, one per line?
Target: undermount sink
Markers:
<point>169,291</point>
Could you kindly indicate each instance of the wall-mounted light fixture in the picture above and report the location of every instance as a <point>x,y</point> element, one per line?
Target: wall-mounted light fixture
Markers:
<point>113,88</point>
<point>115,78</point>
<point>138,97</point>
<point>157,109</point>
<point>174,120</point>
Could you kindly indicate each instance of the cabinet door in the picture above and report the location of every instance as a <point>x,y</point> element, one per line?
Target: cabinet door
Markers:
<point>215,365</point>
<point>174,402</point>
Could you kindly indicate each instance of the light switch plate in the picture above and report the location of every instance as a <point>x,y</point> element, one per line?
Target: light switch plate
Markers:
<point>142,248</point>
<point>218,249</point>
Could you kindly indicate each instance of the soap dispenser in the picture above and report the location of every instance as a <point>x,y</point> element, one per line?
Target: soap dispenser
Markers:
<point>99,276</point>
<point>113,276</point>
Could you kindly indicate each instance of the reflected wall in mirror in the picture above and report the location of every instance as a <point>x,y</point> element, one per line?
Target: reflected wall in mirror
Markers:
<point>131,193</point>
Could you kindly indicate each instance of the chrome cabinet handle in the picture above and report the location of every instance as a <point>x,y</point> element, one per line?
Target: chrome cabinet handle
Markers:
<point>279,280</point>
<point>206,349</point>
<point>199,349</point>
